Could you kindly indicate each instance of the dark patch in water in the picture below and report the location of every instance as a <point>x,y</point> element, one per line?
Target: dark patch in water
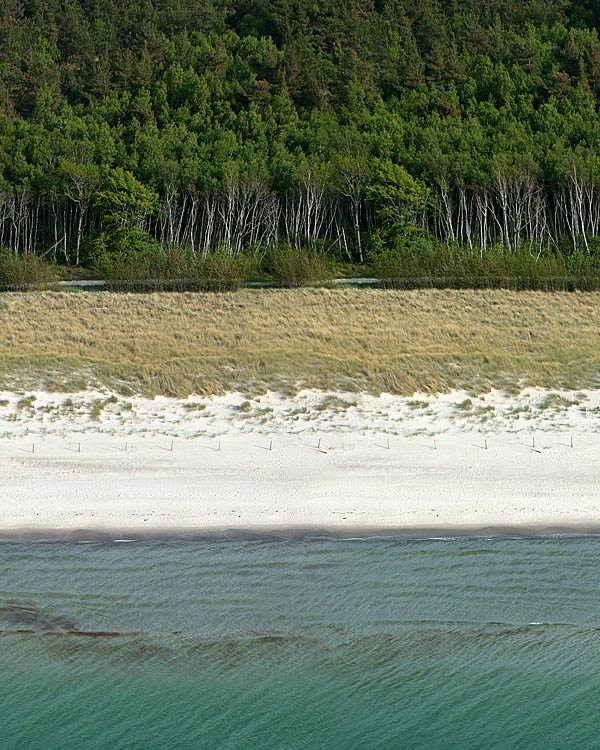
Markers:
<point>469,552</point>
<point>32,618</point>
<point>62,634</point>
<point>96,633</point>
<point>274,639</point>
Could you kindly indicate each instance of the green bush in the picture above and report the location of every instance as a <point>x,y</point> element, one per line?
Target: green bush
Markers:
<point>428,262</point>
<point>175,268</point>
<point>292,267</point>
<point>221,271</point>
<point>125,253</point>
<point>25,270</point>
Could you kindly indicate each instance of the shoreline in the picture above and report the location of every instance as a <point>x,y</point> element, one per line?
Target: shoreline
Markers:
<point>329,464</point>
<point>293,533</point>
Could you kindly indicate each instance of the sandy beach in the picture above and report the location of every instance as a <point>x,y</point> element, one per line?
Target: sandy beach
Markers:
<point>91,462</point>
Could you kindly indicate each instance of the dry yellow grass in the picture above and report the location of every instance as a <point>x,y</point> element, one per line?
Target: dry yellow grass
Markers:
<point>351,339</point>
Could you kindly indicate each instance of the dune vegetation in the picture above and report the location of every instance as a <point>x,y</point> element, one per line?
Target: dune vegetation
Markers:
<point>368,340</point>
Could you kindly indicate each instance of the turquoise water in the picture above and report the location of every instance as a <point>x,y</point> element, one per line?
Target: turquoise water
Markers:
<point>466,643</point>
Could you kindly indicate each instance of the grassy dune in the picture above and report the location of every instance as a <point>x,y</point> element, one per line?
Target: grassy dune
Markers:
<point>371,340</point>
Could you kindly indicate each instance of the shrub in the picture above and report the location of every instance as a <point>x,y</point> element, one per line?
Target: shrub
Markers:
<point>125,255</point>
<point>293,267</point>
<point>427,262</point>
<point>221,271</point>
<point>174,268</point>
<point>25,270</point>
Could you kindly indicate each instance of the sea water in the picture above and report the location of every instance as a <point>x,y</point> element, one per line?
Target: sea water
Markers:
<point>304,643</point>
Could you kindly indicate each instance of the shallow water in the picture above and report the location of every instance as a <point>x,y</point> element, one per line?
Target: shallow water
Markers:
<point>397,643</point>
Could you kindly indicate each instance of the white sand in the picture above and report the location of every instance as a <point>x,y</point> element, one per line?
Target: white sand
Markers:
<point>329,466</point>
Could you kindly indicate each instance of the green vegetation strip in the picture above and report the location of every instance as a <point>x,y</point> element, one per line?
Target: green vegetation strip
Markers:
<point>424,137</point>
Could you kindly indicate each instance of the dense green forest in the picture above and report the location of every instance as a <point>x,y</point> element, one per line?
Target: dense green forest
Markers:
<point>344,127</point>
